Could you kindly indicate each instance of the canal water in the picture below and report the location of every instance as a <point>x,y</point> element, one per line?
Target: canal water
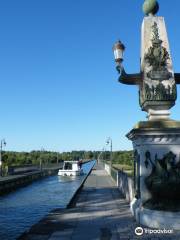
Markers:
<point>21,209</point>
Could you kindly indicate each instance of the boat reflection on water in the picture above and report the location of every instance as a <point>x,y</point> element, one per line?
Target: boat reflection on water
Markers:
<point>65,179</point>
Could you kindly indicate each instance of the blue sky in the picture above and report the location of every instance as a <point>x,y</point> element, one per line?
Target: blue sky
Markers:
<point>59,86</point>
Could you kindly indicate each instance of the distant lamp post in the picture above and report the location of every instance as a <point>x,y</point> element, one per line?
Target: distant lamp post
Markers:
<point>40,162</point>
<point>109,142</point>
<point>3,143</point>
<point>57,158</point>
<point>99,156</point>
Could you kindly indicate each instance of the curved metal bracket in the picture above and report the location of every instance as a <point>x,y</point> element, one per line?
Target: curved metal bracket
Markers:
<point>129,79</point>
<point>136,78</point>
<point>177,78</point>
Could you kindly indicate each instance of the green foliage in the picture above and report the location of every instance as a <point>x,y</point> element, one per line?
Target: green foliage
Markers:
<point>123,167</point>
<point>123,157</point>
<point>11,158</point>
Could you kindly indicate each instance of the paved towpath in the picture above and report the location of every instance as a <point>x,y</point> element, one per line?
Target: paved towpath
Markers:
<point>100,213</point>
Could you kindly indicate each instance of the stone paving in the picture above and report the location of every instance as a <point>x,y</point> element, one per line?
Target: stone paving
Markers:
<point>100,212</point>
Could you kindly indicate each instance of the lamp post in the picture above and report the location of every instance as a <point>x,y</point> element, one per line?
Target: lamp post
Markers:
<point>156,96</point>
<point>109,141</point>
<point>3,143</point>
<point>98,158</point>
<point>40,163</point>
<point>57,158</point>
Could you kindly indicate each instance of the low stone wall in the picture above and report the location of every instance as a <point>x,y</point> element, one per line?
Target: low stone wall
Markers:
<point>111,171</point>
<point>107,168</point>
<point>126,185</point>
<point>123,181</point>
<point>72,201</point>
<point>15,170</point>
<point>11,183</point>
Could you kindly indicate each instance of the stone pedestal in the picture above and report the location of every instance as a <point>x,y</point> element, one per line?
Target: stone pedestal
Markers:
<point>157,173</point>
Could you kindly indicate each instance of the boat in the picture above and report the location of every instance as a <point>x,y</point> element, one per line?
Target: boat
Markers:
<point>71,168</point>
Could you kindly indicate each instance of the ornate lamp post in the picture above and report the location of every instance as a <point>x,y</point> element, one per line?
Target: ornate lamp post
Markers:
<point>156,142</point>
<point>3,143</point>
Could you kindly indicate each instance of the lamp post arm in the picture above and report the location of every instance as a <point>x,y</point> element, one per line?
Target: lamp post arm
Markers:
<point>129,79</point>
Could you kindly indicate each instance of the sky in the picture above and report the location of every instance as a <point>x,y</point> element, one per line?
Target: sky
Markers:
<point>59,88</point>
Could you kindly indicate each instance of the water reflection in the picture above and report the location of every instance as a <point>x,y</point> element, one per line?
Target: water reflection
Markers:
<point>65,179</point>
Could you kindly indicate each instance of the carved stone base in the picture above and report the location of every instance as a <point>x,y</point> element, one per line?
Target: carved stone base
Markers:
<point>155,219</point>
<point>157,165</point>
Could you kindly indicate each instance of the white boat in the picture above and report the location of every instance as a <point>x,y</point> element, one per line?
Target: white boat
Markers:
<point>71,168</point>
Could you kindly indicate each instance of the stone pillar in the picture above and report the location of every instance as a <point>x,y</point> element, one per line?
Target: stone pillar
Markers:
<point>158,88</point>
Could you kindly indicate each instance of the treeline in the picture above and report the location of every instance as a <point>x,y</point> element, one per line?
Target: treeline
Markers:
<point>10,158</point>
<point>123,157</point>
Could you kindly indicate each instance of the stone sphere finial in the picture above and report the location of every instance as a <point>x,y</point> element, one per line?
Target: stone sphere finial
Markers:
<point>150,7</point>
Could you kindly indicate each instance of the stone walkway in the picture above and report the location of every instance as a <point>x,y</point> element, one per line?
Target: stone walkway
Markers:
<point>100,213</point>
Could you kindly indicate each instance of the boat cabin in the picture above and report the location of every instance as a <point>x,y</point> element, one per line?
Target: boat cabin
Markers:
<point>71,165</point>
<point>71,168</point>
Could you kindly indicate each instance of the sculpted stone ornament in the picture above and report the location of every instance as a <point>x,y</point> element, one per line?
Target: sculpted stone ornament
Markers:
<point>164,180</point>
<point>158,89</point>
<point>157,57</point>
<point>160,92</point>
